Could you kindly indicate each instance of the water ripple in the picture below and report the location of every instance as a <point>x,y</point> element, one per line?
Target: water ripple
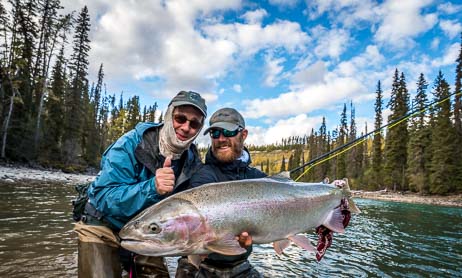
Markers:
<point>386,240</point>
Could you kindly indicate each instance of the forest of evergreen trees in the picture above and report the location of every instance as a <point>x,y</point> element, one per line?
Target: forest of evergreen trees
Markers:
<point>419,151</point>
<point>51,116</point>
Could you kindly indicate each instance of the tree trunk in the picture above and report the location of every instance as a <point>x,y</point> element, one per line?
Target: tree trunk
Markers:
<point>7,123</point>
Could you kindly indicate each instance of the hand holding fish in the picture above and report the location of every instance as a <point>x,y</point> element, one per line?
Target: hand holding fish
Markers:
<point>165,178</point>
<point>245,240</point>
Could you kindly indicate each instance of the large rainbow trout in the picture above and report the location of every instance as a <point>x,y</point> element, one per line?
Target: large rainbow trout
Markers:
<point>207,219</point>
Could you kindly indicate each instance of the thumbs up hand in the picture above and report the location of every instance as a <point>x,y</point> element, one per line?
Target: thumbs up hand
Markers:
<point>165,178</point>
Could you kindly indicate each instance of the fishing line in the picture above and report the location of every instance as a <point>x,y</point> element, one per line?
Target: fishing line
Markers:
<point>327,156</point>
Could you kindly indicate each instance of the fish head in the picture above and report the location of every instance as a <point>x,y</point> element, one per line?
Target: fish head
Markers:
<point>174,227</point>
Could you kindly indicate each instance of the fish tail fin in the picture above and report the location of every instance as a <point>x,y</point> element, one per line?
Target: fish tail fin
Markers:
<point>352,206</point>
<point>334,221</point>
<point>347,192</point>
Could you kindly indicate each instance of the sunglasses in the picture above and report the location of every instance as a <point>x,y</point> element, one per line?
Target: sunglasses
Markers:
<point>181,119</point>
<point>215,133</point>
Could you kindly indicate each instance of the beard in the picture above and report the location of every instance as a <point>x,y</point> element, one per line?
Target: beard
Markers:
<point>232,153</point>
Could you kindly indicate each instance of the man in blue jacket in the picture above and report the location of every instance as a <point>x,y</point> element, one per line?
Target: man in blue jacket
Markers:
<point>141,168</point>
<point>226,160</point>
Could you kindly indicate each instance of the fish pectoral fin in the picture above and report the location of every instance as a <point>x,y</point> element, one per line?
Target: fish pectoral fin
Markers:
<point>303,242</point>
<point>195,260</point>
<point>226,246</point>
<point>334,221</point>
<point>280,245</point>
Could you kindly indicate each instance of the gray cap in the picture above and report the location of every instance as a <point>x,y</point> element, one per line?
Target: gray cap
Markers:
<point>190,98</point>
<point>226,118</point>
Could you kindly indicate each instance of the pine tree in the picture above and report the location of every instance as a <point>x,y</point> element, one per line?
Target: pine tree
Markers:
<point>377,179</point>
<point>354,155</point>
<point>397,137</point>
<point>458,116</point>
<point>79,84</point>
<point>51,145</point>
<point>419,142</point>
<point>49,26</point>
<point>19,129</point>
<point>342,140</point>
<point>133,112</point>
<point>443,164</point>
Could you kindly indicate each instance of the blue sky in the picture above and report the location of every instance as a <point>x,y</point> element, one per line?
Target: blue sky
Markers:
<point>283,63</point>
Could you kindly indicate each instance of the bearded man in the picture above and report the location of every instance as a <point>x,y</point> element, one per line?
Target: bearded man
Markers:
<point>226,160</point>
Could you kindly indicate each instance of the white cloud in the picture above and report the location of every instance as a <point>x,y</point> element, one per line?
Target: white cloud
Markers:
<point>237,88</point>
<point>305,100</point>
<point>435,43</point>
<point>449,57</point>
<point>330,43</point>
<point>402,20</point>
<point>158,43</point>
<point>367,68</point>
<point>349,13</point>
<point>284,3</point>
<point>310,75</point>
<point>449,8</point>
<point>451,28</point>
<point>295,126</point>
<point>255,17</point>
<point>272,70</point>
<point>252,37</point>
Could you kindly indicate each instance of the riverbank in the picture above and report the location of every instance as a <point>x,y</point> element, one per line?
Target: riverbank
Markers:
<point>18,173</point>
<point>408,197</point>
<point>14,174</point>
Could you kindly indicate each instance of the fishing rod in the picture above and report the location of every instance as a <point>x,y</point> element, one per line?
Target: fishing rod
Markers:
<point>325,157</point>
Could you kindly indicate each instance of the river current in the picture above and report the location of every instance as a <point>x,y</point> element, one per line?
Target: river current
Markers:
<point>388,239</point>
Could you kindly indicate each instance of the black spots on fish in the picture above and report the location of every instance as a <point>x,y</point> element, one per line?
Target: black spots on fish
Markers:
<point>154,228</point>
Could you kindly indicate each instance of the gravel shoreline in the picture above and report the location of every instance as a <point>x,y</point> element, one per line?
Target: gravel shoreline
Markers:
<point>15,174</point>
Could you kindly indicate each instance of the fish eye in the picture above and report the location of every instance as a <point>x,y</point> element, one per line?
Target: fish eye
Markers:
<point>154,228</point>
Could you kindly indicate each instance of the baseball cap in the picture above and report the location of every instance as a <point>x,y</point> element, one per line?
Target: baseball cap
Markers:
<point>190,98</point>
<point>226,118</point>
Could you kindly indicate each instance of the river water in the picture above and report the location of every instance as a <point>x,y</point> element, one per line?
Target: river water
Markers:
<point>387,240</point>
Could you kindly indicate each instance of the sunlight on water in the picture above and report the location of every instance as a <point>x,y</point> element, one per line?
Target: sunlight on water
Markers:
<point>386,240</point>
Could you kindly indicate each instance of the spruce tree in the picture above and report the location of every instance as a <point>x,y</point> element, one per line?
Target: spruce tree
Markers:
<point>51,145</point>
<point>419,142</point>
<point>458,117</point>
<point>74,107</point>
<point>377,154</point>
<point>397,135</point>
<point>443,165</point>
<point>341,140</point>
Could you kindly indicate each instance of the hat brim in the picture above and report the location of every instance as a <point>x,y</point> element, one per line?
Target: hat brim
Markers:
<point>179,103</point>
<point>222,125</point>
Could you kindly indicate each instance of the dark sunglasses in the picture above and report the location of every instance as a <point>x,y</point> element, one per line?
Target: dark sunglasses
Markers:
<point>181,119</point>
<point>215,133</point>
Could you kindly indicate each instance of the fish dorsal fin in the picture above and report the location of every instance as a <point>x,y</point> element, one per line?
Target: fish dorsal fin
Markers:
<point>226,246</point>
<point>303,242</point>
<point>282,176</point>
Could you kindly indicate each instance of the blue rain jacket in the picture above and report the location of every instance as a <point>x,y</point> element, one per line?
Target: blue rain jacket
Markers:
<point>126,183</point>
